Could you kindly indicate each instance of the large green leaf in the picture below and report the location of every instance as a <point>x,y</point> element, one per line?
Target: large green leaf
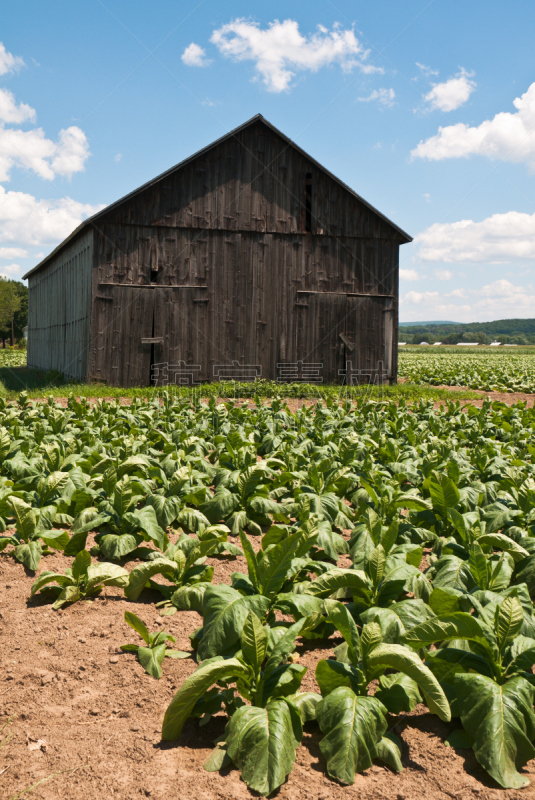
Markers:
<point>388,750</point>
<point>141,574</point>
<point>220,506</point>
<point>458,625</point>
<point>70,594</point>
<point>25,517</point>
<point>508,621</point>
<point>104,574</point>
<point>193,689</point>
<point>453,572</point>
<point>56,539</point>
<point>117,546</point>
<point>398,693</point>
<point>306,703</point>
<point>502,542</point>
<point>225,611</point>
<point>49,577</point>
<point>338,614</point>
<point>444,494</point>
<point>254,642</point>
<point>262,742</point>
<point>122,496</point>
<point>286,643</point>
<point>250,557</point>
<point>405,660</point>
<point>29,554</point>
<point>283,681</point>
<point>273,564</point>
<point>80,565</point>
<point>148,523</point>
<point>328,583</point>
<point>330,675</point>
<point>352,727</point>
<point>502,722</point>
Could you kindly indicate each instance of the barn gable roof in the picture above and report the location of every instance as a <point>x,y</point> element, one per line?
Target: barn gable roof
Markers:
<point>257,118</point>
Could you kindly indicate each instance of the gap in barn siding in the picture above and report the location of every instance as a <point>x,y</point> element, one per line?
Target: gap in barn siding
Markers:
<point>308,202</point>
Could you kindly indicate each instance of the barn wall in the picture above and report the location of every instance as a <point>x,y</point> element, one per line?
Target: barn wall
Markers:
<point>254,181</point>
<point>59,310</point>
<point>224,296</point>
<point>248,253</point>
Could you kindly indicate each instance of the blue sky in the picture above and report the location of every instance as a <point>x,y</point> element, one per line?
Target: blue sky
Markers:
<point>426,109</point>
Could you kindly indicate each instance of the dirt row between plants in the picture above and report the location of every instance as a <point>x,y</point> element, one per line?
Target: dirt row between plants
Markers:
<point>88,715</point>
<point>294,403</point>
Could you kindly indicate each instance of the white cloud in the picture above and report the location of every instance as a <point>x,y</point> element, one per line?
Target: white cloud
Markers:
<point>10,270</point>
<point>451,94</point>
<point>498,300</point>
<point>443,275</point>
<point>507,136</point>
<point>28,221</point>
<point>427,196</point>
<point>9,62</point>
<point>117,157</point>
<point>280,50</point>
<point>408,275</point>
<point>13,252</point>
<point>10,112</point>
<point>383,96</point>
<point>419,298</point>
<point>32,150</point>
<point>195,56</point>
<point>496,239</point>
<point>427,71</point>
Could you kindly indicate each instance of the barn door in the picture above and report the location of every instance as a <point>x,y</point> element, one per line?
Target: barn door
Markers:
<point>320,321</point>
<point>182,334</point>
<point>346,333</point>
<point>122,328</point>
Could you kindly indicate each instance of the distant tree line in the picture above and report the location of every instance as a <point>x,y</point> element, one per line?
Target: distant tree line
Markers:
<point>13,310</point>
<point>506,331</point>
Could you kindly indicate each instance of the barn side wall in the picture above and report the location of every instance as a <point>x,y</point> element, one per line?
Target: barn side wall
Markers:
<point>59,310</point>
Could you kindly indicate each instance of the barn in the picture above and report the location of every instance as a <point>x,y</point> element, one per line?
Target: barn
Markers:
<point>247,260</point>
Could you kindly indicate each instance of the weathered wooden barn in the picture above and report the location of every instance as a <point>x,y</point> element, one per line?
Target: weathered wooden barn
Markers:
<point>248,259</point>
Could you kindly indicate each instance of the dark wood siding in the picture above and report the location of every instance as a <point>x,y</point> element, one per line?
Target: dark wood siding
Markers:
<point>224,261</point>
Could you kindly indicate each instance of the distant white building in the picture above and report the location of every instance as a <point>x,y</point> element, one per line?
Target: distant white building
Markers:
<point>510,345</point>
<point>25,332</point>
<point>495,344</point>
<point>400,344</point>
<point>435,344</point>
<point>467,344</point>
<point>426,343</point>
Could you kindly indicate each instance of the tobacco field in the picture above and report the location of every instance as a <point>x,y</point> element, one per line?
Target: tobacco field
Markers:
<point>397,539</point>
<point>487,371</point>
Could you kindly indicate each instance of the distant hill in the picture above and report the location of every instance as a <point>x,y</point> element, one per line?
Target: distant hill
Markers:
<point>518,331</point>
<point>433,322</point>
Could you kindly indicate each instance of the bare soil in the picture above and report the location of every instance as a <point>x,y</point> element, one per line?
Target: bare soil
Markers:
<point>509,398</point>
<point>87,714</point>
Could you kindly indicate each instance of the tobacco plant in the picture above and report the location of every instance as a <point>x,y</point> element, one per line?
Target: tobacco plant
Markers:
<point>354,723</point>
<point>33,530</point>
<point>260,738</point>
<point>81,581</point>
<point>484,662</point>
<point>152,655</point>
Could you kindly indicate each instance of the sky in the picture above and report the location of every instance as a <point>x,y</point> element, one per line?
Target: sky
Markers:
<point>426,109</point>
